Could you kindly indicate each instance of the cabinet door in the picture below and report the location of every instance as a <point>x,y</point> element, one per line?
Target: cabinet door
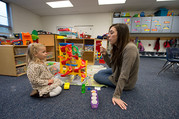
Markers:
<point>175,24</point>
<point>136,25</point>
<point>167,24</point>
<point>123,20</point>
<point>161,24</point>
<point>128,22</point>
<point>146,24</point>
<point>117,20</point>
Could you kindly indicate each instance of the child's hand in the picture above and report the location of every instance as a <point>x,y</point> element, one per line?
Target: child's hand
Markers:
<point>50,81</point>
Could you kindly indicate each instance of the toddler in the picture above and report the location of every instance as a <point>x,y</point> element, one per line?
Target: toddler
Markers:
<point>42,81</point>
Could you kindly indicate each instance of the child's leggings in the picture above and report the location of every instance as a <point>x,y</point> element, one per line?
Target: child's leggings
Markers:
<point>56,91</point>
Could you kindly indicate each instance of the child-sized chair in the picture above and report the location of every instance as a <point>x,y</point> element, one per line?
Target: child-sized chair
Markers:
<point>172,59</point>
<point>26,37</point>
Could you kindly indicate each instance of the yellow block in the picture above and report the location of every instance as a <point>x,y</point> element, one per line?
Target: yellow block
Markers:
<point>66,85</point>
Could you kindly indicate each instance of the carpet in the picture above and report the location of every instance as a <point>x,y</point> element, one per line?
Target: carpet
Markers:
<point>76,80</point>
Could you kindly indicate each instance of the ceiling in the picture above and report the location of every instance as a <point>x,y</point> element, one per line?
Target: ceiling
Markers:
<point>40,7</point>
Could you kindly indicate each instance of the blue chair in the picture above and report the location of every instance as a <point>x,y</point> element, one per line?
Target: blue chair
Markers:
<point>172,55</point>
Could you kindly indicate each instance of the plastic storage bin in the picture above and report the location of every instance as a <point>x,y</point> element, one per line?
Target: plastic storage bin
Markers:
<point>20,51</point>
<point>161,12</point>
<point>80,46</point>
<point>21,70</point>
<point>20,60</point>
<point>89,47</point>
<point>49,55</point>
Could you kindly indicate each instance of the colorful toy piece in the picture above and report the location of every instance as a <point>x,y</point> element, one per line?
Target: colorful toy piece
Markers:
<point>66,85</point>
<point>94,99</point>
<point>70,62</point>
<point>17,42</point>
<point>26,37</point>
<point>83,88</point>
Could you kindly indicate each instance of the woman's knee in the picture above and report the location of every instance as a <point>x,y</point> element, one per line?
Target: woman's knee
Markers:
<point>95,76</point>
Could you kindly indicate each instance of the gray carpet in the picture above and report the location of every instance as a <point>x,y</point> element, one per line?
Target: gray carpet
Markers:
<point>154,97</point>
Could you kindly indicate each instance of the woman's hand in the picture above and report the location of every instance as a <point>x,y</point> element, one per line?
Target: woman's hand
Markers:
<point>103,50</point>
<point>119,102</point>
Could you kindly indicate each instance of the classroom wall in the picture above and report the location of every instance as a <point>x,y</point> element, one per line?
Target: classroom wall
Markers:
<point>100,22</point>
<point>24,20</point>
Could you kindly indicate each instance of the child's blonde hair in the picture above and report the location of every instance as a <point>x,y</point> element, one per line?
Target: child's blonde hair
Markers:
<point>31,51</point>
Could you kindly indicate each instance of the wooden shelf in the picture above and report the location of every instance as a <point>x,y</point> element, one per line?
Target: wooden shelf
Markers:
<point>21,74</point>
<point>49,41</point>
<point>20,55</point>
<point>20,64</point>
<point>51,58</point>
<point>87,55</point>
<point>89,51</point>
<point>7,60</point>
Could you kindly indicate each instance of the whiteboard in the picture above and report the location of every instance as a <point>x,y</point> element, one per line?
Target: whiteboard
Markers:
<point>86,29</point>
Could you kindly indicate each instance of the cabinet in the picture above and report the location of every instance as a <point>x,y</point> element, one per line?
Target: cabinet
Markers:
<point>49,41</point>
<point>127,21</point>
<point>158,24</point>
<point>13,60</point>
<point>88,49</point>
<point>175,26</point>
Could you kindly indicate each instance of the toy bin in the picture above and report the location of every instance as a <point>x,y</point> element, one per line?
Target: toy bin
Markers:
<point>20,51</point>
<point>21,69</point>
<point>49,55</point>
<point>89,47</point>
<point>20,60</point>
<point>80,46</point>
<point>101,61</point>
<point>161,12</point>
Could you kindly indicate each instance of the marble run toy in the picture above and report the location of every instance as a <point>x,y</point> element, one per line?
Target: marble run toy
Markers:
<point>70,62</point>
<point>94,99</point>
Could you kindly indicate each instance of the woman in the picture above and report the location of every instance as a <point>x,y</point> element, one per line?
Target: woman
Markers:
<point>124,63</point>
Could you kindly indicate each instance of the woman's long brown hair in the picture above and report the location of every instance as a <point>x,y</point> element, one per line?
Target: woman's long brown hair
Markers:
<point>122,41</point>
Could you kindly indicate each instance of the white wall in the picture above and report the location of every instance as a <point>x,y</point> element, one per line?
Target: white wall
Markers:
<point>100,22</point>
<point>24,20</point>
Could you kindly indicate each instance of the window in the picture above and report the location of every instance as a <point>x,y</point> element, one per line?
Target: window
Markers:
<point>5,21</point>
